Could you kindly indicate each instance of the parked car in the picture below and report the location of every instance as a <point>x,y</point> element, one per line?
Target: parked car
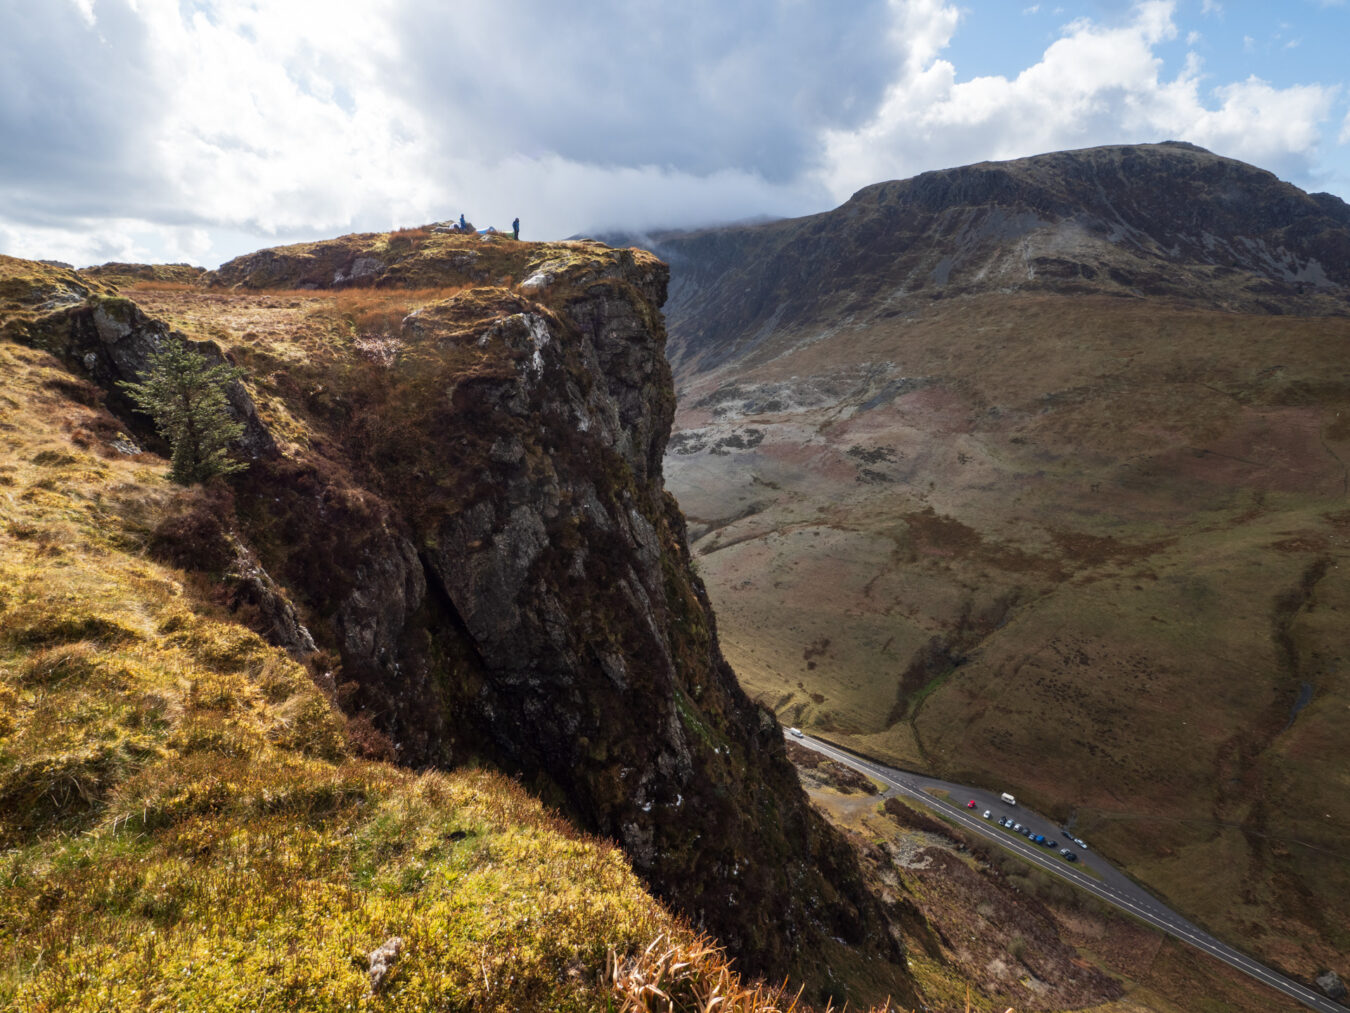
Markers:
<point>1052,844</point>
<point>970,804</point>
<point>1039,838</point>
<point>1017,828</point>
<point>1003,821</point>
<point>1068,854</point>
<point>987,814</point>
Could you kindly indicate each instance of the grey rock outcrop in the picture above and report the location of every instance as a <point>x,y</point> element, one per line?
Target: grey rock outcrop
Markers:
<point>493,555</point>
<point>1331,985</point>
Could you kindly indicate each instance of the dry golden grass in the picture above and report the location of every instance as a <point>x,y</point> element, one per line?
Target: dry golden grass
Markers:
<point>677,975</point>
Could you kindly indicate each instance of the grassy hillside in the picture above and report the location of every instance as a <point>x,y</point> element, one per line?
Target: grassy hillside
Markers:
<point>1085,549</point>
<point>182,820</point>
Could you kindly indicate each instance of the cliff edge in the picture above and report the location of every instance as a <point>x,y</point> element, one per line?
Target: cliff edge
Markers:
<point>456,496</point>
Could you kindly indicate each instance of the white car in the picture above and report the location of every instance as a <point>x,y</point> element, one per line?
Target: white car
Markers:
<point>986,814</point>
<point>796,733</point>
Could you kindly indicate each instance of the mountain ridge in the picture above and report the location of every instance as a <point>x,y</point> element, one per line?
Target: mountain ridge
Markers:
<point>1169,220</point>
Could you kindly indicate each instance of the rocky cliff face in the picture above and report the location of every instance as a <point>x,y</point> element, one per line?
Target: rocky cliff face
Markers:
<point>468,513</point>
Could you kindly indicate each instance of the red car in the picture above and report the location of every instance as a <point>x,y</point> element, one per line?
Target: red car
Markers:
<point>970,804</point>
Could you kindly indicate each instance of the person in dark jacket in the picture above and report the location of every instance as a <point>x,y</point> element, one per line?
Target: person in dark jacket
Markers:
<point>515,227</point>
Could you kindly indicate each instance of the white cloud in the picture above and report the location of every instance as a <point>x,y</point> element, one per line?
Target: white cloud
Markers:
<point>1094,85</point>
<point>200,129</point>
<point>86,9</point>
<point>697,86</point>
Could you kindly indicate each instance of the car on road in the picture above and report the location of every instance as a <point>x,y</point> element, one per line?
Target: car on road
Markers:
<point>970,804</point>
<point>1068,854</point>
<point>986,814</point>
<point>795,732</point>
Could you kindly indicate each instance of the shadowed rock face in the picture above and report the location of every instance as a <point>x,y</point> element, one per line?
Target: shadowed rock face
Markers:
<point>1161,220</point>
<point>587,654</point>
<point>477,529</point>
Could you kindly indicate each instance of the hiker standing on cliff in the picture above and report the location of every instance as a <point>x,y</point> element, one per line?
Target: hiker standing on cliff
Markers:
<point>515,227</point>
<point>463,225</point>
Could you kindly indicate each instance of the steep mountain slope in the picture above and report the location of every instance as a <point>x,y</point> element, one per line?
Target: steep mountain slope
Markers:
<point>454,515</point>
<point>1035,473</point>
<point>1165,220</point>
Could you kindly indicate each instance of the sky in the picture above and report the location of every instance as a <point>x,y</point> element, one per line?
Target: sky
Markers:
<point>200,130</point>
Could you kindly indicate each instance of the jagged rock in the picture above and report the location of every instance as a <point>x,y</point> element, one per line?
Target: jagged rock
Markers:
<point>1331,985</point>
<point>361,269</point>
<point>506,578</point>
<point>254,585</point>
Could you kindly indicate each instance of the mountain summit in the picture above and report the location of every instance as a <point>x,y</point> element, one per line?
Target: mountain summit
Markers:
<point>1170,221</point>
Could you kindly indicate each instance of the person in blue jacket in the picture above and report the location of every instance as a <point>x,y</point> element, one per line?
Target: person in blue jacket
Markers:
<point>515,227</point>
<point>463,225</point>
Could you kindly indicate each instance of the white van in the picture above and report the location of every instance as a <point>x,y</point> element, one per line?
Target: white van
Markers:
<point>1008,798</point>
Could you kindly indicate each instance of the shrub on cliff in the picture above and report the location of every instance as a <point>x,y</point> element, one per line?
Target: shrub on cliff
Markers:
<point>185,395</point>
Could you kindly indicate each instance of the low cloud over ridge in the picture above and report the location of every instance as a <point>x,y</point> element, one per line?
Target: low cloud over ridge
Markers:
<point>202,129</point>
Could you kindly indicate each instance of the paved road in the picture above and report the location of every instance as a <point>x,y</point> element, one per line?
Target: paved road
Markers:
<point>1108,883</point>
